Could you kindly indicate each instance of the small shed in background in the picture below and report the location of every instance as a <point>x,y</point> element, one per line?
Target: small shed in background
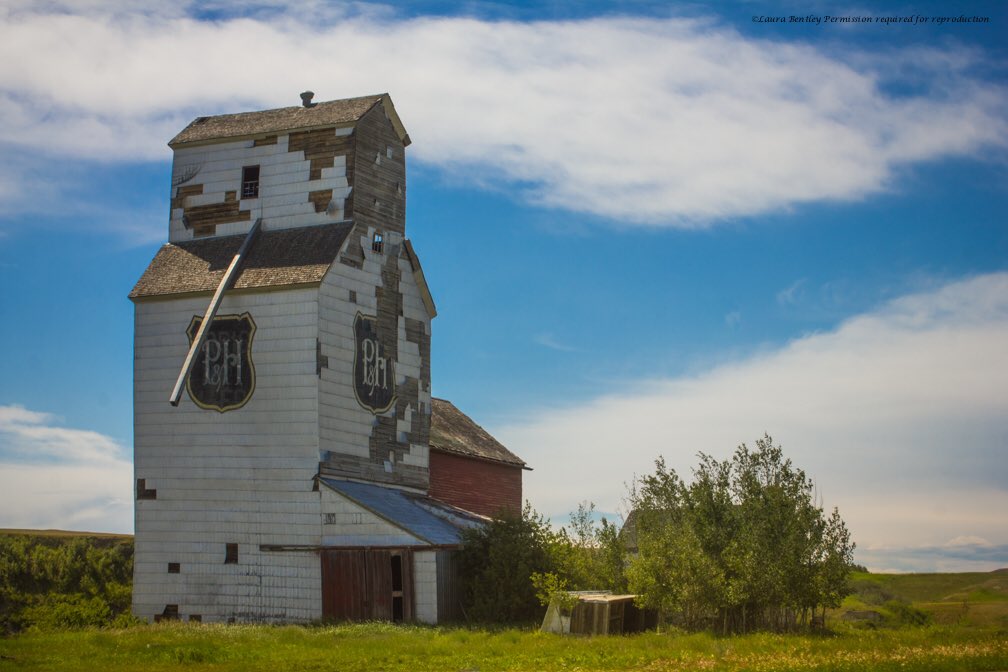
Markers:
<point>599,613</point>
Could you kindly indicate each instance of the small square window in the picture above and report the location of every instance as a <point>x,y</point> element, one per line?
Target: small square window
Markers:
<point>174,568</point>
<point>143,492</point>
<point>250,182</point>
<point>231,554</point>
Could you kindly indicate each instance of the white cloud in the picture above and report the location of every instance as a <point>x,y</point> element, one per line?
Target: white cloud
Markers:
<point>660,122</point>
<point>56,477</point>
<point>900,415</point>
<point>31,435</point>
<point>80,497</point>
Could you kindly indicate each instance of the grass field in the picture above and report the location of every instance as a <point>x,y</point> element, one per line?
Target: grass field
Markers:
<point>378,646</point>
<point>965,627</point>
<point>971,598</point>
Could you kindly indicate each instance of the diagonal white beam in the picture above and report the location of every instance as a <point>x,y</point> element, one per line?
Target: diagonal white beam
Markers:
<point>211,311</point>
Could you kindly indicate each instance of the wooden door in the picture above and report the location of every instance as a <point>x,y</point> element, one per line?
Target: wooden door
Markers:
<point>360,585</point>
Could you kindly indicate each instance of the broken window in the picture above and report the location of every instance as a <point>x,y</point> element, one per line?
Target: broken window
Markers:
<point>378,242</point>
<point>250,182</point>
<point>142,491</point>
<point>231,554</point>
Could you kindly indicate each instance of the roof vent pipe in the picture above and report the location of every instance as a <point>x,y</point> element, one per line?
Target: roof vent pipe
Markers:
<point>306,97</point>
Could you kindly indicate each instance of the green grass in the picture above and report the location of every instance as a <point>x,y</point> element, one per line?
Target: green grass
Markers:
<point>376,646</point>
<point>969,598</point>
<point>975,586</point>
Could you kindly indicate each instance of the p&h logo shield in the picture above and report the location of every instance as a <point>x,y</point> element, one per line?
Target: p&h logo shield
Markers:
<point>223,377</point>
<point>374,371</point>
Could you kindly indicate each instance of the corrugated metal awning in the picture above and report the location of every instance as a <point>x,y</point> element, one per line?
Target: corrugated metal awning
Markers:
<point>429,520</point>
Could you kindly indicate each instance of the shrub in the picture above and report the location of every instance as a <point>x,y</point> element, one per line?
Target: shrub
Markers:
<point>496,563</point>
<point>907,614</point>
<point>52,582</point>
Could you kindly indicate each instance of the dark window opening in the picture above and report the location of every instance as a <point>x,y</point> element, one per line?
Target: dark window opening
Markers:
<point>231,554</point>
<point>250,182</point>
<point>378,242</point>
<point>170,613</point>
<point>174,568</point>
<point>397,588</point>
<point>397,609</point>
<point>396,572</point>
<point>143,492</point>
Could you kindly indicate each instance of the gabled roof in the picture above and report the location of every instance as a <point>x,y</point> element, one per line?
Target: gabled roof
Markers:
<point>426,519</point>
<point>452,431</point>
<point>286,119</point>
<point>277,258</point>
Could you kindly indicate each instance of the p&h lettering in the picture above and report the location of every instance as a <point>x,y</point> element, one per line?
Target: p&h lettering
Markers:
<point>375,369</point>
<point>219,360</point>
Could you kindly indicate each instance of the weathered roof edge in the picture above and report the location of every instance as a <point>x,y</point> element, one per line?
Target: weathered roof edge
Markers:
<point>482,458</point>
<point>381,98</point>
<point>475,443</point>
<point>137,294</point>
<point>421,280</point>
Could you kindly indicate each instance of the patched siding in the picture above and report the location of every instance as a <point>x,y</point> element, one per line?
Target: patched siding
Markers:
<point>294,172</point>
<point>353,441</point>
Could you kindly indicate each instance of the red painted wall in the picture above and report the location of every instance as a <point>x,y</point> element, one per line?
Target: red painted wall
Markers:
<point>475,485</point>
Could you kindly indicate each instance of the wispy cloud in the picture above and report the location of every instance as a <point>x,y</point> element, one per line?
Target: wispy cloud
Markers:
<point>949,557</point>
<point>678,122</point>
<point>548,341</point>
<point>58,477</point>
<point>790,294</point>
<point>33,436</point>
<point>898,414</point>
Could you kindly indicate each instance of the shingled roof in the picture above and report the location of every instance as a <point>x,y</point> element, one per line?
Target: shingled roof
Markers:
<point>452,431</point>
<point>277,258</point>
<point>286,119</point>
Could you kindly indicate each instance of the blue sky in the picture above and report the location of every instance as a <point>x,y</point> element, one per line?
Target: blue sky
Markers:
<point>647,231</point>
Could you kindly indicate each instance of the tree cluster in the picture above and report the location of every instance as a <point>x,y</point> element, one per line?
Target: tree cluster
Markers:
<point>742,546</point>
<point>64,582</point>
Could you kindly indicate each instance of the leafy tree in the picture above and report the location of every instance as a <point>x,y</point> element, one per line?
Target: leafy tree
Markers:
<point>743,545</point>
<point>496,563</point>
<point>589,555</point>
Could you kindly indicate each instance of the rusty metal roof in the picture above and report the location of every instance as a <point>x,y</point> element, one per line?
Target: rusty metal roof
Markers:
<point>277,258</point>
<point>285,119</point>
<point>452,431</point>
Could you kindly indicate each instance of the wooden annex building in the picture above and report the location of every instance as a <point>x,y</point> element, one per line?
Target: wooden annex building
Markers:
<point>290,461</point>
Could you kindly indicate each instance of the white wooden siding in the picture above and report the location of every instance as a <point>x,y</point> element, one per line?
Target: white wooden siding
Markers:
<point>244,476</point>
